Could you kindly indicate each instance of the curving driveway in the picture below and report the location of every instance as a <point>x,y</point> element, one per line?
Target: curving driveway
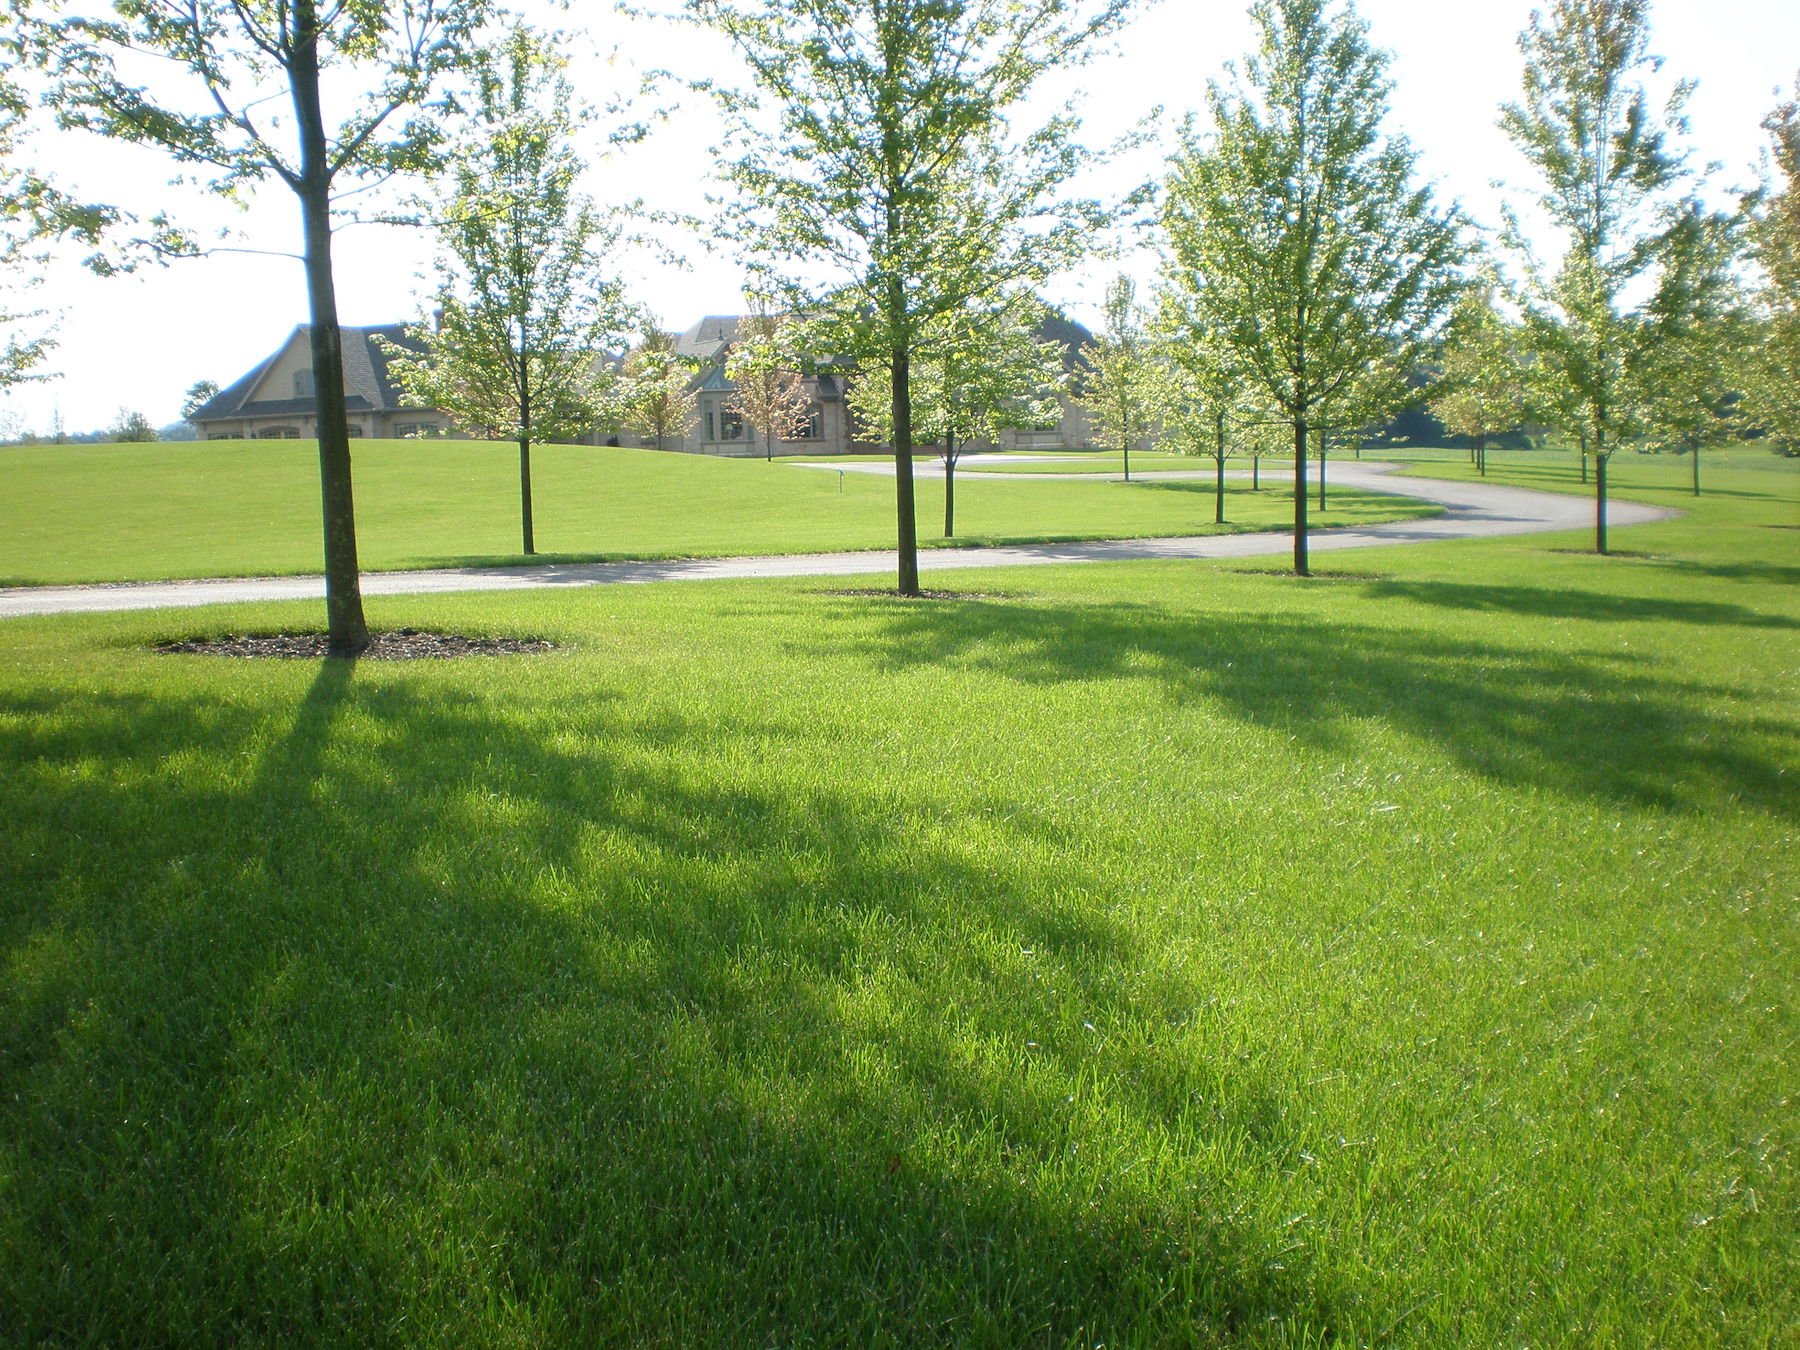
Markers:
<point>1470,511</point>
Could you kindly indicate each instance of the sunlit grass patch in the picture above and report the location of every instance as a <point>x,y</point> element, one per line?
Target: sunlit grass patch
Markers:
<point>250,508</point>
<point>1140,954</point>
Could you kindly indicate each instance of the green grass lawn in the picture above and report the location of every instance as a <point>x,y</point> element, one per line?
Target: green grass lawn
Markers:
<point>1629,471</point>
<point>1162,954</point>
<point>1036,463</point>
<point>233,508</point>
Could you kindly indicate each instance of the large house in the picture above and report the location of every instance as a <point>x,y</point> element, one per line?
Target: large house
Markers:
<point>276,400</point>
<point>828,428</point>
<point>831,429</point>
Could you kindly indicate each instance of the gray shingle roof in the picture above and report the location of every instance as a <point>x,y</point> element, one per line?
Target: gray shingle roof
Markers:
<point>368,385</point>
<point>706,339</point>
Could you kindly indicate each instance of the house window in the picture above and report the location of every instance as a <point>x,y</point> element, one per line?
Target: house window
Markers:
<point>731,425</point>
<point>278,434</point>
<point>303,383</point>
<point>355,429</point>
<point>712,433</point>
<point>810,427</point>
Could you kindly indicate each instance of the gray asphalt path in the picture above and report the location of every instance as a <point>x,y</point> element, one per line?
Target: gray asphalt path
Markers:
<point>1470,511</point>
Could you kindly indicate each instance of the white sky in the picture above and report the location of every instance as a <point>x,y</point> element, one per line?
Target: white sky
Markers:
<point>139,342</point>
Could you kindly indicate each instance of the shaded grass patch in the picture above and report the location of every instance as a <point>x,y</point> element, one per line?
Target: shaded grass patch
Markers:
<point>1170,955</point>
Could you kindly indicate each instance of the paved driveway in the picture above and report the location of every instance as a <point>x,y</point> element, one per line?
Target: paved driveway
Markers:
<point>1470,511</point>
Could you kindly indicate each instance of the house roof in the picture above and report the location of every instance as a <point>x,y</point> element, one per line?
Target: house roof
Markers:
<point>368,383</point>
<point>1058,327</point>
<point>711,336</point>
<point>707,339</point>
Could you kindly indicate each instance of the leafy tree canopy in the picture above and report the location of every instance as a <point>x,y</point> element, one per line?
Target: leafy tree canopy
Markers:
<point>886,174</point>
<point>1299,234</point>
<point>238,91</point>
<point>1771,371</point>
<point>1638,249</point>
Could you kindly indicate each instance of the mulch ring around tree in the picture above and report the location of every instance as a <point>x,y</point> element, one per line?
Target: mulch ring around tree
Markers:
<point>405,644</point>
<point>892,594</point>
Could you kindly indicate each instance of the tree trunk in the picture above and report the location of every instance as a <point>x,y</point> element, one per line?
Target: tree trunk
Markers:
<point>525,452</point>
<point>1219,476</point>
<point>1600,502</point>
<point>1256,472</point>
<point>901,370</point>
<point>525,493</point>
<point>1125,443</point>
<point>347,632</point>
<point>1481,454</point>
<point>949,486</point>
<point>1322,434</point>
<point>1694,450</point>
<point>1300,568</point>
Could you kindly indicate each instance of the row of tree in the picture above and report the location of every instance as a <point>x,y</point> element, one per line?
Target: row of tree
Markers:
<point>893,189</point>
<point>1310,281</point>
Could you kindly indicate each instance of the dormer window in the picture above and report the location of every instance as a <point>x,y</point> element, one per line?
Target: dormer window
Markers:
<point>303,383</point>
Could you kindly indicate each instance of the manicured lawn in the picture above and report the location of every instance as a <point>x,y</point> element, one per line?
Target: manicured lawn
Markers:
<point>1039,462</point>
<point>1158,955</point>
<point>1628,470</point>
<point>144,512</point>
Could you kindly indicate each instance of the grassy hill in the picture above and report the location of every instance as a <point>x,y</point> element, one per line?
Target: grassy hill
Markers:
<point>249,508</point>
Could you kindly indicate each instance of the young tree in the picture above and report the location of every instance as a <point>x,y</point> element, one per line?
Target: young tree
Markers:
<point>527,307</point>
<point>1119,391</point>
<point>977,372</point>
<point>769,393</point>
<point>1296,229</point>
<point>238,61</point>
<point>1263,434</point>
<point>131,426</point>
<point>657,396</point>
<point>1200,389</point>
<point>1693,376</point>
<point>894,160</point>
<point>1374,395</point>
<point>1618,192</point>
<point>1480,387</point>
<point>1770,372</point>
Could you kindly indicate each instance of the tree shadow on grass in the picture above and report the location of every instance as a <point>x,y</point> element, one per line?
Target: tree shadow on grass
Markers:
<point>1779,573</point>
<point>1594,725</point>
<point>1588,606</point>
<point>384,1012</point>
